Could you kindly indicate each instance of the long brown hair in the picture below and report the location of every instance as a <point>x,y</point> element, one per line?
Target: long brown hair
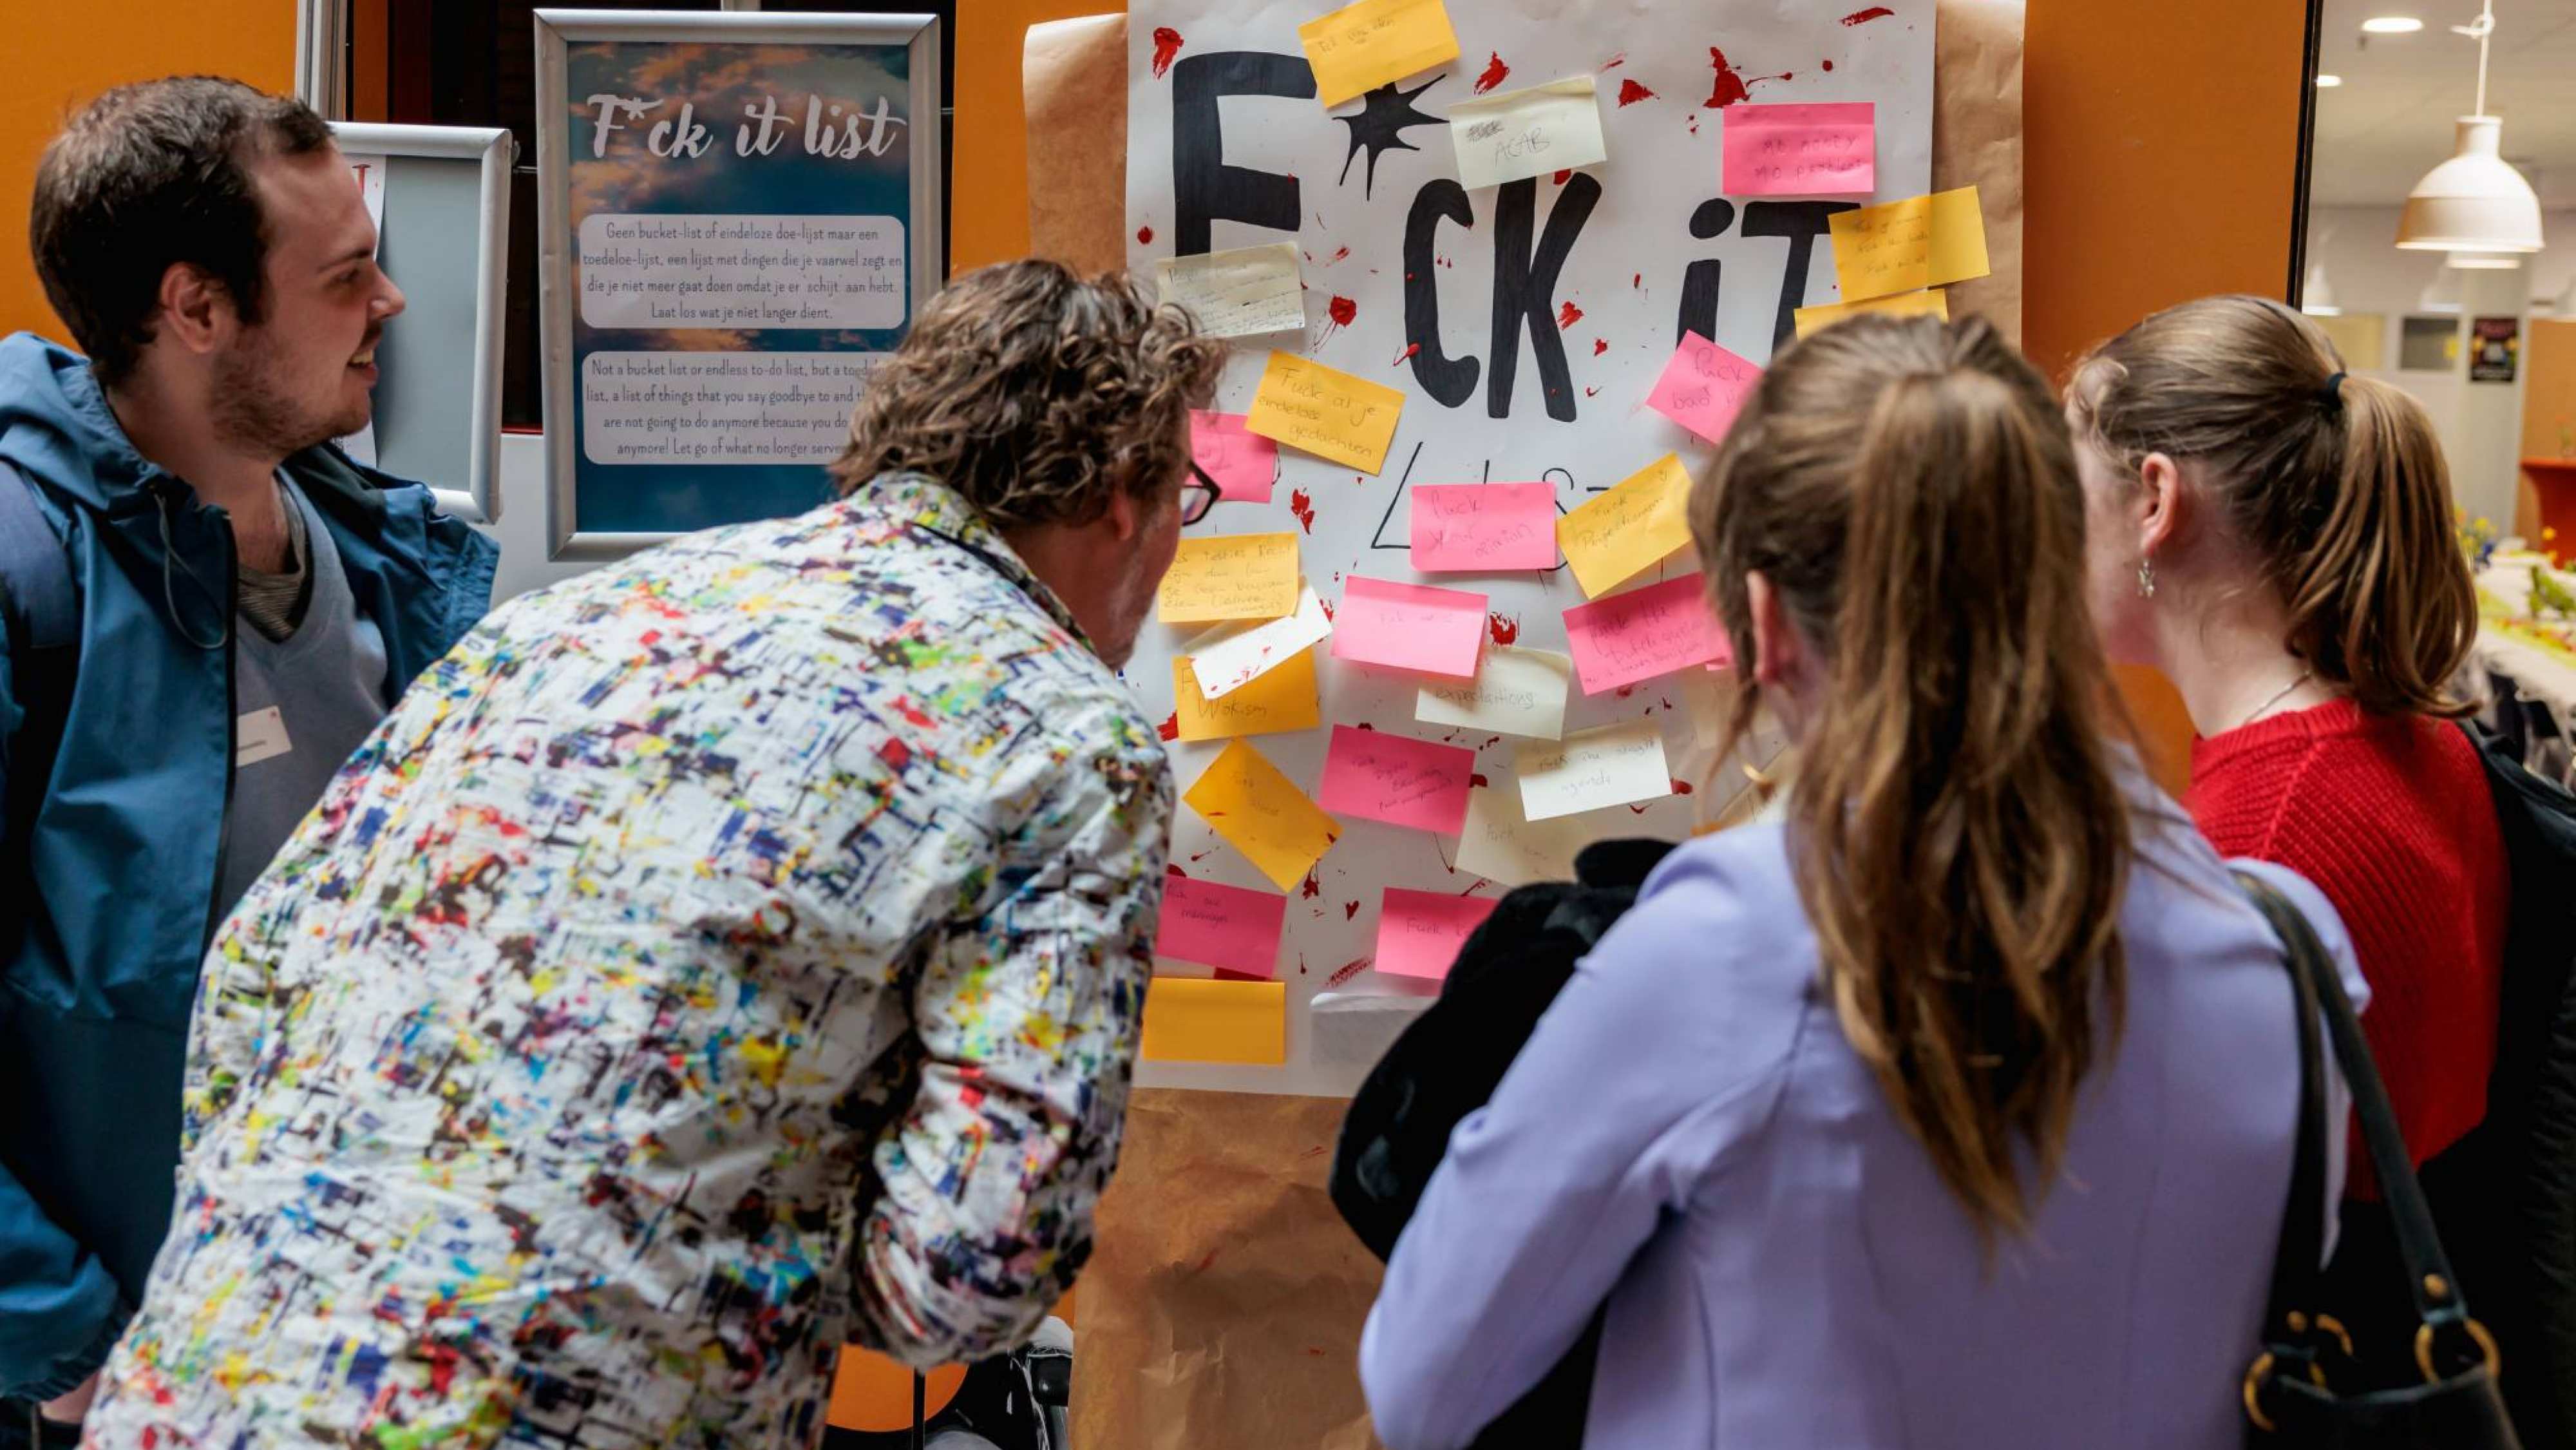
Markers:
<point>1908,489</point>
<point>2335,483</point>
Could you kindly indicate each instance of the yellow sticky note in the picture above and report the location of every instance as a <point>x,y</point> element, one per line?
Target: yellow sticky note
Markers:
<point>1903,304</point>
<point>1263,814</point>
<point>1619,534</point>
<point>1277,699</point>
<point>1906,246</point>
<point>1330,414</point>
<point>1359,48</point>
<point>1190,1020</point>
<point>1240,576</point>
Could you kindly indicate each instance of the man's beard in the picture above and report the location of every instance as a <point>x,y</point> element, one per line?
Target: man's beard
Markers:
<point>256,412</point>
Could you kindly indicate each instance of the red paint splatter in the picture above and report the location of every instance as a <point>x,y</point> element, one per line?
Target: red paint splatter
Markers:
<point>1341,256</point>
<point>1314,887</point>
<point>1477,778</point>
<point>1170,729</point>
<point>1325,604</point>
<point>1144,236</point>
<point>1567,316</point>
<point>1829,65</point>
<point>1176,871</point>
<point>1343,311</point>
<point>1636,810</point>
<point>1495,71</point>
<point>1600,345</point>
<point>1681,786</point>
<point>1167,43</point>
<point>1630,93</point>
<point>1592,392</point>
<point>1863,17</point>
<point>1636,279</point>
<point>1304,508</point>
<point>1346,971</point>
<point>1350,909</point>
<point>1616,61</point>
<point>1411,351</point>
<point>1732,85</point>
<point>1563,176</point>
<point>1504,628</point>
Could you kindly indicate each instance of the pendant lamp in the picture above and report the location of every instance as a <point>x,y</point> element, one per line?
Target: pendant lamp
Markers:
<point>2473,202</point>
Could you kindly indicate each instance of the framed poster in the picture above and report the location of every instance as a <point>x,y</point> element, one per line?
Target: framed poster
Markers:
<point>440,198</point>
<point>738,213</point>
<point>2496,346</point>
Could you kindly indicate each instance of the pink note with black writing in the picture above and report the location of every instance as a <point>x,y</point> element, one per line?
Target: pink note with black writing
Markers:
<point>1381,776</point>
<point>1229,928</point>
<point>1811,150</point>
<point>1243,464</point>
<point>1643,633</point>
<point>1703,386</point>
<point>1473,528</point>
<point>1419,932</point>
<point>1409,627</point>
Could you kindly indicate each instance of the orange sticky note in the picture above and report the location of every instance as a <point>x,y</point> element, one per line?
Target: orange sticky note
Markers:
<point>1276,700</point>
<point>1331,414</point>
<point>1240,576</point>
<point>1903,304</point>
<point>1361,47</point>
<point>1906,246</point>
<point>1188,1020</point>
<point>1263,814</point>
<point>1620,534</point>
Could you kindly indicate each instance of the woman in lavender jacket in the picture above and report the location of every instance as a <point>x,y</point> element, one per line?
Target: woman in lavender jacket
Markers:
<point>1951,1105</point>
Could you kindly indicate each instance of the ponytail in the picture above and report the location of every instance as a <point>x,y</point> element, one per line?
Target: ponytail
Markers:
<point>2335,484</point>
<point>1908,491</point>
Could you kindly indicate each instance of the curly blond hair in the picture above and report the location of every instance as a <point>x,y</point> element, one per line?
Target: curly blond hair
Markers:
<point>1034,394</point>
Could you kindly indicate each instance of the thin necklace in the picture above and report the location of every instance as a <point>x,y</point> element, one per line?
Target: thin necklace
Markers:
<point>2265,708</point>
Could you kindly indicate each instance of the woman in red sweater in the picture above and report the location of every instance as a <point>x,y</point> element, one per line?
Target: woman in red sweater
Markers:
<point>2275,536</point>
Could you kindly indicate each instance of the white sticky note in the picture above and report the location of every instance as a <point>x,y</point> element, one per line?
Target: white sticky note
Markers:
<point>1232,656</point>
<point>1515,692</point>
<point>1506,848</point>
<point>1616,765</point>
<point>1554,127</point>
<point>1247,292</point>
<point>260,735</point>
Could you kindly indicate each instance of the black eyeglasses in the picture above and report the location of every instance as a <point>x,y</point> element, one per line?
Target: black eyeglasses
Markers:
<point>1199,494</point>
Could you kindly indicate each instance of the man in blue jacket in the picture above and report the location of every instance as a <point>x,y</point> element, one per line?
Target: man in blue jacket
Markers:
<point>207,609</point>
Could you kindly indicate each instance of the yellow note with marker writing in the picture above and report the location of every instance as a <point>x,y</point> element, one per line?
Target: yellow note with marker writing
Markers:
<point>1263,814</point>
<point>1906,246</point>
<point>1361,47</point>
<point>1903,304</point>
<point>1328,413</point>
<point>1277,699</point>
<point>1239,576</point>
<point>1190,1020</point>
<point>1620,534</point>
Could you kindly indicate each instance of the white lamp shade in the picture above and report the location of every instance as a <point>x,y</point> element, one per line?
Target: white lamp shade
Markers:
<point>2474,202</point>
<point>2316,295</point>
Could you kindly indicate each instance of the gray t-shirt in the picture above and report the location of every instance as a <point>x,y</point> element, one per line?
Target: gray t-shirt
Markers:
<point>302,703</point>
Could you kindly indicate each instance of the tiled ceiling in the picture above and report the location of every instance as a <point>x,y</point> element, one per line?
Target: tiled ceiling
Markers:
<point>2391,119</point>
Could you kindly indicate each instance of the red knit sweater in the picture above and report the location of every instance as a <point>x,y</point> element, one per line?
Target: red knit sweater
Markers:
<point>2389,816</point>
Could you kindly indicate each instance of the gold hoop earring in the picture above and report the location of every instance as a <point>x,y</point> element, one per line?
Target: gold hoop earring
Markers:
<point>2146,578</point>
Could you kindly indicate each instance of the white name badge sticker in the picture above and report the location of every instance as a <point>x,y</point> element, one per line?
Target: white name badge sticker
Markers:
<point>260,735</point>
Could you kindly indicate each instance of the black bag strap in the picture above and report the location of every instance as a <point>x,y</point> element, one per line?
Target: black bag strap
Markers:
<point>2448,1340</point>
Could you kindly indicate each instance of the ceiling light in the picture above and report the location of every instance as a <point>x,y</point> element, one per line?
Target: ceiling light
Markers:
<point>2329,82</point>
<point>2316,294</point>
<point>2476,201</point>
<point>2483,261</point>
<point>2392,25</point>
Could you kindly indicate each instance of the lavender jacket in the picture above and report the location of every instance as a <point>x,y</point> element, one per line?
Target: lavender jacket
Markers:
<point>1689,1135</point>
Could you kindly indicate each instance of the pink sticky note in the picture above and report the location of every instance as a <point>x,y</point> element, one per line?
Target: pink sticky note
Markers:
<point>1419,932</point>
<point>1819,150</point>
<point>1226,927</point>
<point>1243,464</point>
<point>1478,528</point>
<point>1702,387</point>
<point>1409,626</point>
<point>1397,779</point>
<point>1643,633</point>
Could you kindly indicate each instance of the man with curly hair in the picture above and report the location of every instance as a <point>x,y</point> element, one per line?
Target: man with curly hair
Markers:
<point>727,954</point>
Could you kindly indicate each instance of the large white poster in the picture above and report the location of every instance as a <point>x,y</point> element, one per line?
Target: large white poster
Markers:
<point>1525,323</point>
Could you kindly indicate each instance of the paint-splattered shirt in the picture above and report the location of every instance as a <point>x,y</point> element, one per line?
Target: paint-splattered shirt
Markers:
<point>731,952</point>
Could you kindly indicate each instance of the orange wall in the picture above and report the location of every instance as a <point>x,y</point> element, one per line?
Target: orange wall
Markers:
<point>61,55</point>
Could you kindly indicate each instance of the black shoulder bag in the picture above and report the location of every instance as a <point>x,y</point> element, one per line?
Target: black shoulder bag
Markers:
<point>2289,1399</point>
